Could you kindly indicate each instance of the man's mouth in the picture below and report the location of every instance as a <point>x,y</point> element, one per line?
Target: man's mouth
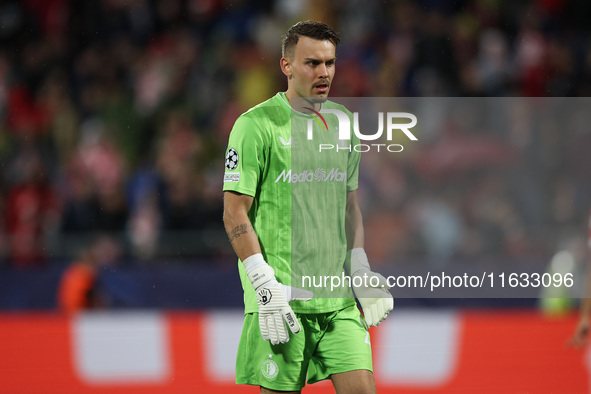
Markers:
<point>321,87</point>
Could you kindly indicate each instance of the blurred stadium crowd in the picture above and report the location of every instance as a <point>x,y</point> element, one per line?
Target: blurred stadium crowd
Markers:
<point>114,117</point>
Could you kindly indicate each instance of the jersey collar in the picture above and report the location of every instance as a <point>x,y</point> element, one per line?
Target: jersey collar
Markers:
<point>286,102</point>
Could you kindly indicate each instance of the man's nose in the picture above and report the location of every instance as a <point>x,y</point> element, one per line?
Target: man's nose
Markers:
<point>322,71</point>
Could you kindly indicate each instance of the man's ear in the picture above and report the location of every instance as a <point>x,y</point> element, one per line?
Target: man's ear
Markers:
<point>286,66</point>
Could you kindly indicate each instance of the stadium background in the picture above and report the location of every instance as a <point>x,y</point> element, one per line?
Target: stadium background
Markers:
<point>114,117</point>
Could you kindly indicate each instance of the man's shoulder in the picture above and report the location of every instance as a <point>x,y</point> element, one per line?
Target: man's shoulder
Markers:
<point>270,110</point>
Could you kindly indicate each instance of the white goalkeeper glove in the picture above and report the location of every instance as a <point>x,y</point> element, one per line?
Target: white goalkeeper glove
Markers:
<point>373,295</point>
<point>273,298</point>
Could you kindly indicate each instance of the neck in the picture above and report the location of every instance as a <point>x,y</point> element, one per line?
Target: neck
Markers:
<point>301,104</point>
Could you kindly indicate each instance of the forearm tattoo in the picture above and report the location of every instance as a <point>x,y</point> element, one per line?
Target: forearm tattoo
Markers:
<point>239,230</point>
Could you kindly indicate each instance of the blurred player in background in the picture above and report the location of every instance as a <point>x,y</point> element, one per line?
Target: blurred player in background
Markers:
<point>258,203</point>
<point>581,334</point>
<point>79,288</point>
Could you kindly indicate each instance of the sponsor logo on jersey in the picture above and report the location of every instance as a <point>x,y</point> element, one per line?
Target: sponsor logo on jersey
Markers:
<point>286,144</point>
<point>231,177</point>
<point>318,175</point>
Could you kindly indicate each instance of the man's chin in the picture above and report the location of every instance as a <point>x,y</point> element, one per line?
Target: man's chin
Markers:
<point>318,99</point>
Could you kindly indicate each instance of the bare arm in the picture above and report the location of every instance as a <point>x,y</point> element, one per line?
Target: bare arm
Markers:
<point>238,227</point>
<point>354,222</point>
<point>272,314</point>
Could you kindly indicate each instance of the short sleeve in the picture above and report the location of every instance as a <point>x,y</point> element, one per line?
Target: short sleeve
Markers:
<point>244,157</point>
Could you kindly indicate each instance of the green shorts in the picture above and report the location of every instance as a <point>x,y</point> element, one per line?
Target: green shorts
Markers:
<point>329,343</point>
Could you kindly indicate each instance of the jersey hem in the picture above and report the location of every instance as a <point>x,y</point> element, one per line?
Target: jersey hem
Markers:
<point>349,303</point>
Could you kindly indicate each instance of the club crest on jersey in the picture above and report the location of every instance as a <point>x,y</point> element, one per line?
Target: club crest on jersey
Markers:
<point>231,159</point>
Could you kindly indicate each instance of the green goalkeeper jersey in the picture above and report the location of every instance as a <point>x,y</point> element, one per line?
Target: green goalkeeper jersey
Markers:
<point>299,173</point>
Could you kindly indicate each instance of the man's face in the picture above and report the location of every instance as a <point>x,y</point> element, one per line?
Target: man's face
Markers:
<point>310,69</point>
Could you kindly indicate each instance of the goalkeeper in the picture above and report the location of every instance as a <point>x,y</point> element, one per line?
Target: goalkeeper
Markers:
<point>288,207</point>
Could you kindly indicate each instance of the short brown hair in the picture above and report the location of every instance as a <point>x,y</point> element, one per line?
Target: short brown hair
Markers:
<point>311,29</point>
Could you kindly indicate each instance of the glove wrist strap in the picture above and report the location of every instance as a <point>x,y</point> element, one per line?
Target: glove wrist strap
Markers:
<point>253,261</point>
<point>359,261</point>
<point>258,271</point>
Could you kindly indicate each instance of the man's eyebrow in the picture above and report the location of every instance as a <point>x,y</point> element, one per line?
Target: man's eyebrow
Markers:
<point>318,60</point>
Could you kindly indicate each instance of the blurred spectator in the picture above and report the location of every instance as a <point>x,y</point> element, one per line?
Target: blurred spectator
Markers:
<point>178,150</point>
<point>81,210</point>
<point>104,166</point>
<point>144,226</point>
<point>31,209</point>
<point>439,226</point>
